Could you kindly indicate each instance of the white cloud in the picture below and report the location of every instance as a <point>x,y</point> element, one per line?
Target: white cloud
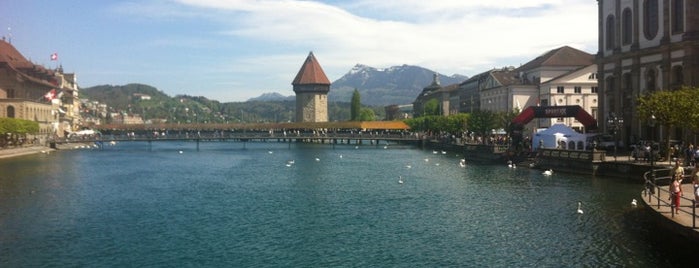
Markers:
<point>466,37</point>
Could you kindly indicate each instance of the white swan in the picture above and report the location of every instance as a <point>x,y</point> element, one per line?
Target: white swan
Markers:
<point>400,179</point>
<point>427,160</point>
<point>548,172</point>
<point>580,208</point>
<point>180,151</point>
<point>444,152</point>
<point>633,202</point>
<point>462,163</point>
<point>434,152</point>
<point>317,159</point>
<point>270,152</point>
<point>408,166</point>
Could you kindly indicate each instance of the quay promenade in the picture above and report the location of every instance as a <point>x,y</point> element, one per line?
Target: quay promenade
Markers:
<point>685,223</point>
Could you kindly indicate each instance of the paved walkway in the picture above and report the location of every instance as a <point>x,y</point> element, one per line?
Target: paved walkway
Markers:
<point>685,217</point>
<point>25,150</point>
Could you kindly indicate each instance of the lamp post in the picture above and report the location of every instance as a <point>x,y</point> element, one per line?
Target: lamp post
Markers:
<point>651,123</point>
<point>615,123</point>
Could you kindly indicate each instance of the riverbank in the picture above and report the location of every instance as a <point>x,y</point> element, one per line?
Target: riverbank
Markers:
<point>25,150</point>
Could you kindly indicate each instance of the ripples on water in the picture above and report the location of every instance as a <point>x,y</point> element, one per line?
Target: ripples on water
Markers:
<point>230,204</point>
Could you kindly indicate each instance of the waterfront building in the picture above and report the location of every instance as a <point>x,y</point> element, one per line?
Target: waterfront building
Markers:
<point>560,77</point>
<point>32,92</point>
<point>645,46</point>
<point>311,87</point>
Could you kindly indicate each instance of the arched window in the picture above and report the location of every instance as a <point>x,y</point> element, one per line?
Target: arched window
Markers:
<point>10,112</point>
<point>650,19</point>
<point>650,80</point>
<point>626,26</point>
<point>677,16</point>
<point>610,33</point>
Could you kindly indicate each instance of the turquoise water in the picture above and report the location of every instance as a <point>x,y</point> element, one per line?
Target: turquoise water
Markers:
<point>243,205</point>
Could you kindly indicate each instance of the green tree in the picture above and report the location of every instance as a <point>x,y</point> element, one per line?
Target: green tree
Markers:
<point>482,122</point>
<point>356,105</point>
<point>431,107</point>
<point>671,108</point>
<point>367,114</point>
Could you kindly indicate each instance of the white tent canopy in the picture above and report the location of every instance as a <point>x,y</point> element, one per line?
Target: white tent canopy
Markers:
<point>555,135</point>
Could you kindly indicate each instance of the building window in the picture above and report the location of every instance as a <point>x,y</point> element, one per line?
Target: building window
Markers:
<point>592,76</point>
<point>677,16</point>
<point>578,90</point>
<point>626,24</point>
<point>560,89</point>
<point>10,112</point>
<point>559,119</point>
<point>594,90</point>
<point>650,19</point>
<point>610,33</point>
<point>650,80</point>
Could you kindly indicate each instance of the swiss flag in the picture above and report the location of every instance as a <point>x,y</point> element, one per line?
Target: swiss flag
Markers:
<point>54,56</point>
<point>50,95</point>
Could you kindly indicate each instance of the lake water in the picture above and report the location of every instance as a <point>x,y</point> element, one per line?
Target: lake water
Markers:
<point>242,205</point>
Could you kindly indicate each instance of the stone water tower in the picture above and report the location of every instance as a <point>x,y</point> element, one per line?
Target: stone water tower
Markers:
<point>311,87</point>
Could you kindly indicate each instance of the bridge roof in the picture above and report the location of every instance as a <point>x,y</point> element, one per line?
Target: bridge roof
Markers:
<point>379,125</point>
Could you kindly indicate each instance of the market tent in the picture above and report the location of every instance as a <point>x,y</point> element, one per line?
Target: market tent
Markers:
<point>555,135</point>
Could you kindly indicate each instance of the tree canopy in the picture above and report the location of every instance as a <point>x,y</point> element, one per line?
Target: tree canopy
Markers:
<point>671,107</point>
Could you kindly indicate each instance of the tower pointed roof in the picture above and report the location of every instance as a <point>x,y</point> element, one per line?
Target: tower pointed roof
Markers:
<point>311,73</point>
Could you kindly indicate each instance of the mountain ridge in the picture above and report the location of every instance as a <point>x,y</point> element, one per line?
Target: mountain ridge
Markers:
<point>380,86</point>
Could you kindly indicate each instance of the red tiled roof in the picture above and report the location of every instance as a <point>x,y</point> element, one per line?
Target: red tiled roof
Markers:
<point>9,54</point>
<point>311,73</point>
<point>563,56</point>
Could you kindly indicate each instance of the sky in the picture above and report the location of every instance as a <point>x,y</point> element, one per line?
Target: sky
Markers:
<point>233,50</point>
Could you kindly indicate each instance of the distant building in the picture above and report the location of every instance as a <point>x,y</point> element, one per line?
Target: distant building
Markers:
<point>645,46</point>
<point>311,87</point>
<point>447,98</point>
<point>141,96</point>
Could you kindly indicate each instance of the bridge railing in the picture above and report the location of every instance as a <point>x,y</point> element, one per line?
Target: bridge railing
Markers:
<point>658,184</point>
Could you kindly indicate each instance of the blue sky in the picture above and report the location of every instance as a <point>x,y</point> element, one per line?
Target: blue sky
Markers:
<point>232,50</point>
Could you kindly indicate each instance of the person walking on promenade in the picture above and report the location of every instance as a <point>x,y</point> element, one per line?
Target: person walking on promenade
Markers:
<point>695,181</point>
<point>678,171</point>
<point>676,194</point>
<point>676,186</point>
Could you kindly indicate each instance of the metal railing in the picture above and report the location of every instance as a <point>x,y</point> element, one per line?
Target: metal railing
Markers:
<point>653,190</point>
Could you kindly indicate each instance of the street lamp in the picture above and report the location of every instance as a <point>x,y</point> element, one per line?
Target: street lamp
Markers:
<point>651,124</point>
<point>615,123</point>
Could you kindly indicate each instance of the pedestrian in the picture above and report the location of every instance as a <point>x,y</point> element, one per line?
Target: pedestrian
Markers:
<point>678,171</point>
<point>696,187</point>
<point>676,193</point>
